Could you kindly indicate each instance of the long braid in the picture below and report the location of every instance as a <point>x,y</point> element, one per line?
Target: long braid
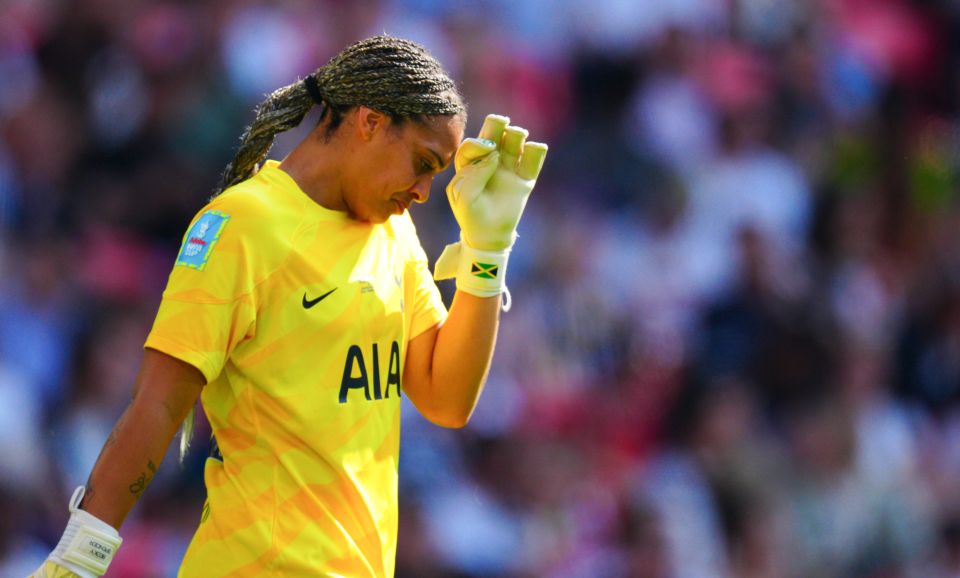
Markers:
<point>281,111</point>
<point>391,75</point>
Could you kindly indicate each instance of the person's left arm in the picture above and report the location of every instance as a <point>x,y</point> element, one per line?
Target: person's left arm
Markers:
<point>447,365</point>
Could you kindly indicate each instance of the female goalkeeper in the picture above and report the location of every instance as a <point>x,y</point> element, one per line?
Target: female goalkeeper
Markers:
<point>300,306</point>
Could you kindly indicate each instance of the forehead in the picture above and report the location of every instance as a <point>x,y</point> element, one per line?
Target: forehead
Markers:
<point>441,134</point>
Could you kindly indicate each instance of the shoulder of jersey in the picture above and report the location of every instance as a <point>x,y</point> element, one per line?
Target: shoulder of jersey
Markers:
<point>253,206</point>
<point>258,219</point>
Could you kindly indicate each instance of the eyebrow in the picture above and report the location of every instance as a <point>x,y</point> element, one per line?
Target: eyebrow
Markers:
<point>443,166</point>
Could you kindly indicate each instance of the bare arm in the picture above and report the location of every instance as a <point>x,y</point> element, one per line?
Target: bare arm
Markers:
<point>448,365</point>
<point>165,390</point>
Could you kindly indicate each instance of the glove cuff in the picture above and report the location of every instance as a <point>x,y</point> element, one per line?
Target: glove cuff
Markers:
<point>88,544</point>
<point>480,273</point>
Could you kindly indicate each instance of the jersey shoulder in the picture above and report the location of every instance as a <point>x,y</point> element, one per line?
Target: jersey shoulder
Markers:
<point>249,226</point>
<point>259,205</point>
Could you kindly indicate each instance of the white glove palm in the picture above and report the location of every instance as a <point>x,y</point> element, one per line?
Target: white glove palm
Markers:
<point>495,175</point>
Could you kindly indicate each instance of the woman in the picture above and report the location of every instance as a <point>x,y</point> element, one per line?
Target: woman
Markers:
<point>298,309</point>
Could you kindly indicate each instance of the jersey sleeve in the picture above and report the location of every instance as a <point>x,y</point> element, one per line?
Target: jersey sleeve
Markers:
<point>429,309</point>
<point>209,305</point>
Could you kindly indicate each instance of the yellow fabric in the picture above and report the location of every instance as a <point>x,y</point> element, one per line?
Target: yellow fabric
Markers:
<point>304,402</point>
<point>51,569</point>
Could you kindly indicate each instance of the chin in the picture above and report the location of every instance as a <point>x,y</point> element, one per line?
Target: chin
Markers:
<point>374,219</point>
<point>366,217</point>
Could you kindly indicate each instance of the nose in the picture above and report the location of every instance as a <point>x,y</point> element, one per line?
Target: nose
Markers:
<point>421,189</point>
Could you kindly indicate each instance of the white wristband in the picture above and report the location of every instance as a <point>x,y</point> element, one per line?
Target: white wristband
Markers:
<point>88,544</point>
<point>480,273</point>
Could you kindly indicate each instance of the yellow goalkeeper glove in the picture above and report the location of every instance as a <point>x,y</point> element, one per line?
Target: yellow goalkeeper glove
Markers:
<point>86,548</point>
<point>495,176</point>
<point>51,569</point>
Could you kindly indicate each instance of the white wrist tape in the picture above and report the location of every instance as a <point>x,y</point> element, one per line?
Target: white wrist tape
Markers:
<point>88,544</point>
<point>480,273</point>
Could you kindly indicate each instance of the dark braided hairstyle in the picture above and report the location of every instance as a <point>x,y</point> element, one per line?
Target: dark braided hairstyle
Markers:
<point>394,76</point>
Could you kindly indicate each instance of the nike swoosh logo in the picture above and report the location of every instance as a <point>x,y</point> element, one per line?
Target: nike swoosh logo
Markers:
<point>307,304</point>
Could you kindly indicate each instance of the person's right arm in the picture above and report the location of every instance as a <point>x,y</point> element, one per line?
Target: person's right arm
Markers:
<point>165,390</point>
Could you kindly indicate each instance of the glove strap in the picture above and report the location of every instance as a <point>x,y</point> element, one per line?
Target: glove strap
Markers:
<point>88,544</point>
<point>480,273</point>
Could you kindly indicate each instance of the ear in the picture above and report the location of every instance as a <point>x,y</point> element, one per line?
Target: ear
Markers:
<point>368,122</point>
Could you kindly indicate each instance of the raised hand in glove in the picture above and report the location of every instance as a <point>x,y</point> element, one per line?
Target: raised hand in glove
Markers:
<point>495,174</point>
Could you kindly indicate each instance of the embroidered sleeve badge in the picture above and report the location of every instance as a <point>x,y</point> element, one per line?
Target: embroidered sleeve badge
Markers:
<point>200,239</point>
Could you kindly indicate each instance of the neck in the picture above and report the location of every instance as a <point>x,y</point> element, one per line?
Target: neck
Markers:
<point>312,165</point>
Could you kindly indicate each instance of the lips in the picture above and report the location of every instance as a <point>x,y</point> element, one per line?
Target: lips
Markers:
<point>401,207</point>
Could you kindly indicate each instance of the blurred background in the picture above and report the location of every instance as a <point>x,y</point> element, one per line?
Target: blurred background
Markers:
<point>735,344</point>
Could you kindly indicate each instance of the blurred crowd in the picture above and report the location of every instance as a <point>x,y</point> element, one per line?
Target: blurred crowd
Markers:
<point>734,350</point>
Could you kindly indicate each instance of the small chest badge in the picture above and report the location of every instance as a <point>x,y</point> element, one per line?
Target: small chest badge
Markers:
<point>201,238</point>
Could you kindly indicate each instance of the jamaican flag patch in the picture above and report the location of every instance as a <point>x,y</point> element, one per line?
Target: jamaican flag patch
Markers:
<point>484,270</point>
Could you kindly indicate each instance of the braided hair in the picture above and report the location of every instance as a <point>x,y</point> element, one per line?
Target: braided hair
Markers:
<point>394,76</point>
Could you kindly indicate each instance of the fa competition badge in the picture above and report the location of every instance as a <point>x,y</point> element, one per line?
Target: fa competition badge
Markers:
<point>201,238</point>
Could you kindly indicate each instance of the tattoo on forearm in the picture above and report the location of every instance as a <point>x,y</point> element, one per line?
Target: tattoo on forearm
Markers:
<point>88,493</point>
<point>111,440</point>
<point>140,484</point>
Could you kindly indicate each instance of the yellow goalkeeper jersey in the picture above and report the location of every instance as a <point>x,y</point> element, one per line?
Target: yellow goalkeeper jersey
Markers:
<point>299,318</point>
